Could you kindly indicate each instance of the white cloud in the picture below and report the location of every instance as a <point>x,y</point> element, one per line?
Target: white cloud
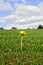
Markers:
<point>16,5</point>
<point>5,6</point>
<point>40,5</point>
<point>32,15</point>
<point>24,1</point>
<point>31,19</point>
<point>1,1</point>
<point>2,21</point>
<point>25,13</point>
<point>27,10</point>
<point>32,25</point>
<point>12,16</point>
<point>12,0</point>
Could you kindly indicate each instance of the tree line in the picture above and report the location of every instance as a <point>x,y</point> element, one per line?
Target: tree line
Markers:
<point>39,27</point>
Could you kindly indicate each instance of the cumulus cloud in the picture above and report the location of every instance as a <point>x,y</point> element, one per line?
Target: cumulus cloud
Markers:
<point>40,5</point>
<point>2,21</point>
<point>1,1</point>
<point>16,5</point>
<point>32,25</point>
<point>5,6</point>
<point>26,16</point>
<point>12,0</point>
<point>27,10</point>
<point>24,1</point>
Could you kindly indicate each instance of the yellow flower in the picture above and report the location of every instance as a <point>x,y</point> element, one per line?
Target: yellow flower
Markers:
<point>23,33</point>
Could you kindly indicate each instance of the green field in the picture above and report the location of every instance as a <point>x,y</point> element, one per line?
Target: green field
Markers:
<point>10,49</point>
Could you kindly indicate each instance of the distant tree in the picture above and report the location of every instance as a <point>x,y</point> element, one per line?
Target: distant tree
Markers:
<point>40,27</point>
<point>1,28</point>
<point>13,27</point>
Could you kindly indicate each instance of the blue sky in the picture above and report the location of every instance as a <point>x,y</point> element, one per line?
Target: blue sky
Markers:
<point>21,13</point>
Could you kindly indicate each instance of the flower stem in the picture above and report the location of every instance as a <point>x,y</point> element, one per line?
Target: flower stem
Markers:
<point>21,43</point>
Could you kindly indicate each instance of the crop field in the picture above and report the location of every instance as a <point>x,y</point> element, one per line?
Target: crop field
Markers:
<point>32,47</point>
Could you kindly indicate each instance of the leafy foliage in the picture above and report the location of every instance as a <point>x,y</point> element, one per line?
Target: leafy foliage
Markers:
<point>13,27</point>
<point>40,27</point>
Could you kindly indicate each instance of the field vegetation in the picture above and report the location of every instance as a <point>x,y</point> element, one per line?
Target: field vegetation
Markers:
<point>10,49</point>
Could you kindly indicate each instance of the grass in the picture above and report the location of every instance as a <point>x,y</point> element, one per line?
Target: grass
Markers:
<point>32,52</point>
